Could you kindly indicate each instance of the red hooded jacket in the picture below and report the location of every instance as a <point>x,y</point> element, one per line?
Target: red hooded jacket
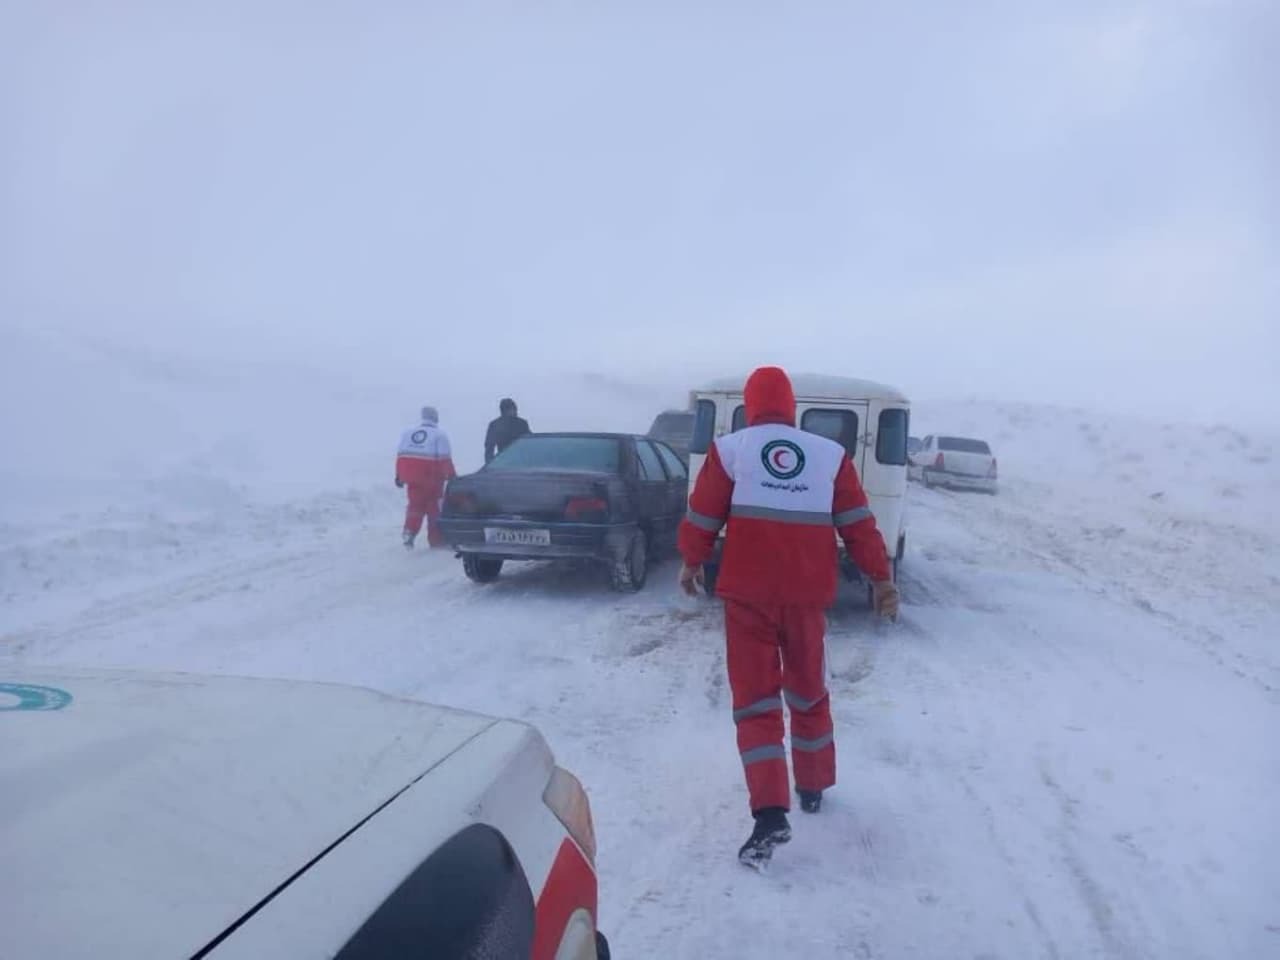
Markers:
<point>781,491</point>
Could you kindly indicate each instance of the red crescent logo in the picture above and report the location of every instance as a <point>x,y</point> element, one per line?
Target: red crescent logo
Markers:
<point>777,458</point>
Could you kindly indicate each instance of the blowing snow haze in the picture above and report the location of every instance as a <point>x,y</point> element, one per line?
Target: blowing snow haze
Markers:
<point>242,244</point>
<point>1073,202</point>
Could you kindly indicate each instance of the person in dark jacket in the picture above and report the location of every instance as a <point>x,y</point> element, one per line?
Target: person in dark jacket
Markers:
<point>504,431</point>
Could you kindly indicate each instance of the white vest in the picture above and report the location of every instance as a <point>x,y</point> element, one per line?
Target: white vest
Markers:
<point>781,473</point>
<point>426,441</point>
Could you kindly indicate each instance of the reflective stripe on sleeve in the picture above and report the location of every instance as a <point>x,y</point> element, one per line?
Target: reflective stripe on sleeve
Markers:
<point>703,522</point>
<point>851,516</point>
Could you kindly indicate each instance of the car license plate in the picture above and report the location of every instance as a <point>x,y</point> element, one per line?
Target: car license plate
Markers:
<point>522,538</point>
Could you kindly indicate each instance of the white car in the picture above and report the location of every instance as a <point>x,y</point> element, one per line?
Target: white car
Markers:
<point>184,816</point>
<point>947,461</point>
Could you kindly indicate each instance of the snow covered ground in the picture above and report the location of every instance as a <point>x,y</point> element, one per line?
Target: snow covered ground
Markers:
<point>1065,748</point>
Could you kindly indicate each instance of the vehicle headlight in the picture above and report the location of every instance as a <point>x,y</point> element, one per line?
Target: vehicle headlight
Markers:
<point>568,801</point>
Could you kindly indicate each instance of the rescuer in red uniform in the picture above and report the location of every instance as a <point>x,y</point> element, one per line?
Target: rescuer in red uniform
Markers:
<point>424,464</point>
<point>783,494</point>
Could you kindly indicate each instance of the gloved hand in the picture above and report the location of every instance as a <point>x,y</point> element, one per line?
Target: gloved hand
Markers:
<point>884,597</point>
<point>399,482</point>
<point>692,579</point>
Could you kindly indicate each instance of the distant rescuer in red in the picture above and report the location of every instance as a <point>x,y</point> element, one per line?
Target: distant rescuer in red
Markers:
<point>781,491</point>
<point>424,464</point>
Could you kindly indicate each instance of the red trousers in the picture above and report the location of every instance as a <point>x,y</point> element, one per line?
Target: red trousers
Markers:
<point>424,501</point>
<point>776,653</point>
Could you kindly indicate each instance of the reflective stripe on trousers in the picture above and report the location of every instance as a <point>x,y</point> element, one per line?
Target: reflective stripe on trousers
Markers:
<point>757,708</point>
<point>811,746</point>
<point>760,754</point>
<point>797,702</point>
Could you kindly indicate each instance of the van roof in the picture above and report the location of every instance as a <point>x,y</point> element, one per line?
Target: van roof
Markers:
<point>820,386</point>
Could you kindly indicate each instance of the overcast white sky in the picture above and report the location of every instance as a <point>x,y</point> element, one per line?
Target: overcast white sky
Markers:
<point>1076,202</point>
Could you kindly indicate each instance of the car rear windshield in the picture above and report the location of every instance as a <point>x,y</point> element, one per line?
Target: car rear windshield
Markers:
<point>963,445</point>
<point>592,454</point>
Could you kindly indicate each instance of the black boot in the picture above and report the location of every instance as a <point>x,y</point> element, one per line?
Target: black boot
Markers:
<point>772,830</point>
<point>810,800</point>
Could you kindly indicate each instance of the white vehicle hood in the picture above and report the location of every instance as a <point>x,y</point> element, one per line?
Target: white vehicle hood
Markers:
<point>152,811</point>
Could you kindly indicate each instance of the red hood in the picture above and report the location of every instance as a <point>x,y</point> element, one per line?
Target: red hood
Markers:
<point>769,397</point>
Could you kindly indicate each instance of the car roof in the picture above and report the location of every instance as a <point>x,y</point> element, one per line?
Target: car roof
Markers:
<point>821,387</point>
<point>588,435</point>
<point>151,812</point>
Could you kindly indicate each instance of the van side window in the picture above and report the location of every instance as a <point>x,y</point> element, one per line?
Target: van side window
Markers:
<point>838,425</point>
<point>739,419</point>
<point>891,437</point>
<point>704,426</point>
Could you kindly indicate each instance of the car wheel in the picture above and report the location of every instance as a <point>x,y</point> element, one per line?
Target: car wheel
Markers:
<point>629,573</point>
<point>481,569</point>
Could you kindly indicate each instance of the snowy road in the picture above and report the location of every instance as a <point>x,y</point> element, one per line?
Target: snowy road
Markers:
<point>1062,750</point>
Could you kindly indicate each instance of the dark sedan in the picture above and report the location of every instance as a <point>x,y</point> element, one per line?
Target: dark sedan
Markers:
<point>613,498</point>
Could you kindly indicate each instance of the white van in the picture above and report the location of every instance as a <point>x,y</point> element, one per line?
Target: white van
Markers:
<point>870,420</point>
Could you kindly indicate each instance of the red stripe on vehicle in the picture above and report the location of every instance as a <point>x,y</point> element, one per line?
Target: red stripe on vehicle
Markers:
<point>570,886</point>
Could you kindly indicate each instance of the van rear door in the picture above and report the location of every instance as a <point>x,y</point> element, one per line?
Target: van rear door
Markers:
<point>711,417</point>
<point>845,423</point>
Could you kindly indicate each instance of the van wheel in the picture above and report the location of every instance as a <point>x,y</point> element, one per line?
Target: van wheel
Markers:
<point>481,569</point>
<point>629,573</point>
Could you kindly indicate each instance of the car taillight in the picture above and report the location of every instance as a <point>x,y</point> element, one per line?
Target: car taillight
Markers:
<point>586,508</point>
<point>992,472</point>
<point>461,502</point>
<point>937,463</point>
<point>568,801</point>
